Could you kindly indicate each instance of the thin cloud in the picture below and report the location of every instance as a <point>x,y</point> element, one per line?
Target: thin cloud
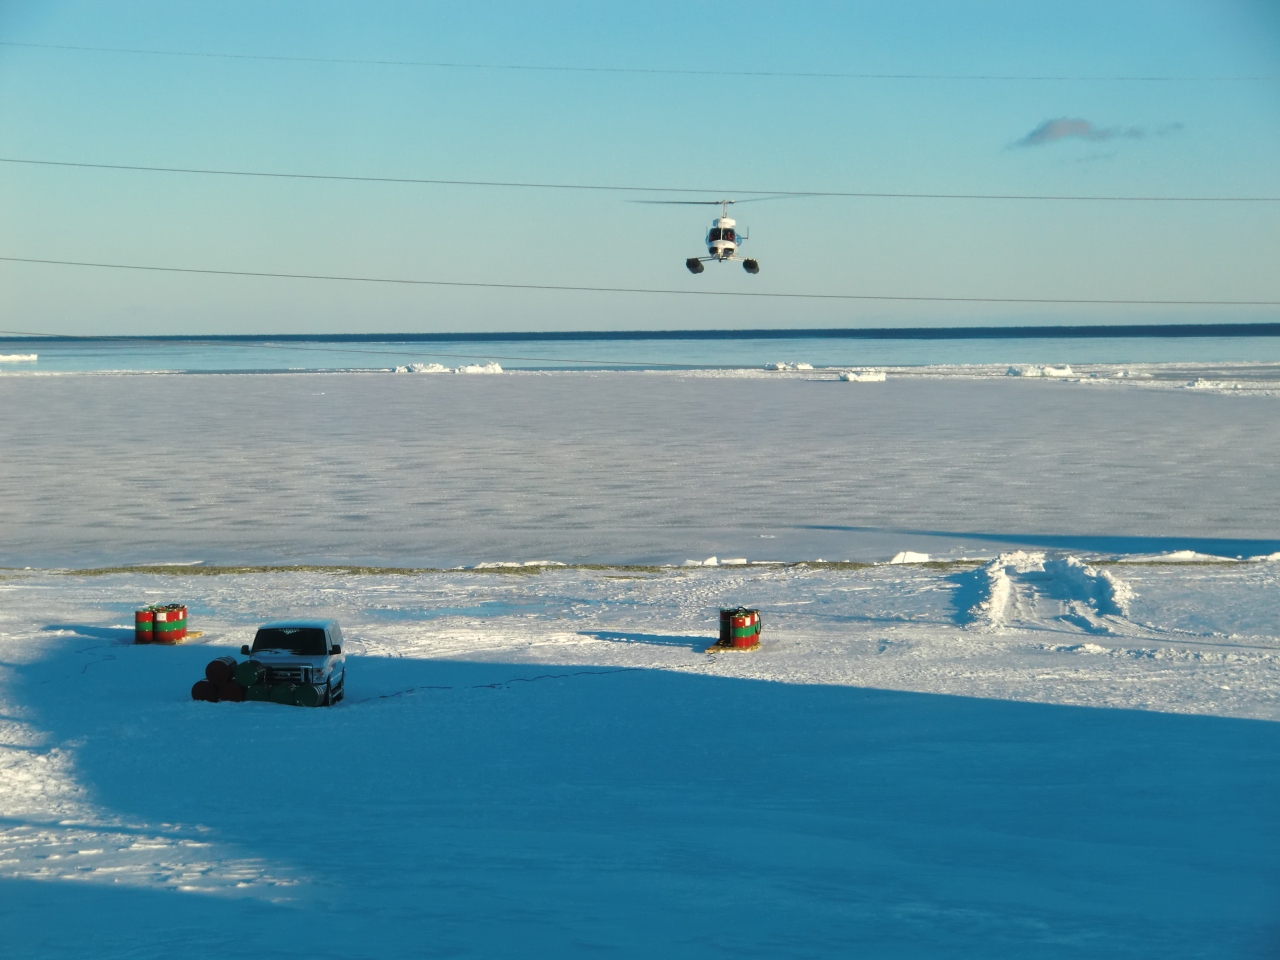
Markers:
<point>1076,128</point>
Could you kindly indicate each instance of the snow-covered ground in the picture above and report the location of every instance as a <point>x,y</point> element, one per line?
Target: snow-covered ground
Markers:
<point>1078,761</point>
<point>1064,747</point>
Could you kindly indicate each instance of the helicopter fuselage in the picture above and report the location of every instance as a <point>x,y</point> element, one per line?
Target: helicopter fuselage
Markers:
<point>722,238</point>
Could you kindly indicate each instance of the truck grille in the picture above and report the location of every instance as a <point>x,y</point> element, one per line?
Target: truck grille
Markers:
<point>286,674</point>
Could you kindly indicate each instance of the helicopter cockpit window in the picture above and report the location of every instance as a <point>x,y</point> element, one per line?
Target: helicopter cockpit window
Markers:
<point>714,234</point>
<point>728,234</point>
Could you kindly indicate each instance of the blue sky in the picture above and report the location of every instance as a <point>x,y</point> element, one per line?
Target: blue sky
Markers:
<point>1185,137</point>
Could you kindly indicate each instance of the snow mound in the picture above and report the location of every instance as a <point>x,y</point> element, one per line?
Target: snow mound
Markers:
<point>440,368</point>
<point>994,590</point>
<point>508,564</point>
<point>1079,648</point>
<point>788,366</point>
<point>1104,591</point>
<point>1037,590</point>
<point>1200,383</point>
<point>1269,558</point>
<point>906,556</point>
<point>866,376</point>
<point>1177,556</point>
<point>1045,371</point>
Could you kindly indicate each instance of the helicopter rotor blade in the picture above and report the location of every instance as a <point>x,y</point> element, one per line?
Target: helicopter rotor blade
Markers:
<point>716,203</point>
<point>683,203</point>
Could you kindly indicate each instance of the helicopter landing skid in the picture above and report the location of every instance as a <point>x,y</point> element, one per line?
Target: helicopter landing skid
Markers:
<point>694,264</point>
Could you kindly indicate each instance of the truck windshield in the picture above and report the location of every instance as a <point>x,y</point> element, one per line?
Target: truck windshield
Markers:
<point>304,641</point>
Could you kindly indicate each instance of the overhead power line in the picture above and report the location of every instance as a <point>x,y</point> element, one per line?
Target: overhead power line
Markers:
<point>1081,301</point>
<point>654,71</point>
<point>626,188</point>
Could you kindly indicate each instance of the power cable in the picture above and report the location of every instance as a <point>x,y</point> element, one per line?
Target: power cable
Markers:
<point>621,188</point>
<point>651,71</point>
<point>1081,301</point>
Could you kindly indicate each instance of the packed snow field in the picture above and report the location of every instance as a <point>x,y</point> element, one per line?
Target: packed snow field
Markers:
<point>1062,747</point>
<point>549,764</point>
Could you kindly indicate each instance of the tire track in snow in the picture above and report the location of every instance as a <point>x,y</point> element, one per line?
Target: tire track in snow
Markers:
<point>498,685</point>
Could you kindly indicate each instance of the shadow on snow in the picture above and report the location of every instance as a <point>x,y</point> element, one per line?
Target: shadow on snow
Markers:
<point>494,809</point>
<point>698,643</point>
<point>1101,544</point>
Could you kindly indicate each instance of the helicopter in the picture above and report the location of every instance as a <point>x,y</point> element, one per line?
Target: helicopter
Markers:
<point>723,239</point>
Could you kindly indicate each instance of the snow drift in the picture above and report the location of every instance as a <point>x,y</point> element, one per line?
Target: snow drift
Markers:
<point>1028,588</point>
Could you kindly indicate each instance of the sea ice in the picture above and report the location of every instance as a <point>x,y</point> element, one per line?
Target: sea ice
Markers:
<point>435,471</point>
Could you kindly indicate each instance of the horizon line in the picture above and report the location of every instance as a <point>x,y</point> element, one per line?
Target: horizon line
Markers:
<point>1037,332</point>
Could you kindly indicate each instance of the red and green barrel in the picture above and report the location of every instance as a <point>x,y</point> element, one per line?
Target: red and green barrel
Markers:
<point>739,627</point>
<point>144,625</point>
<point>170,623</point>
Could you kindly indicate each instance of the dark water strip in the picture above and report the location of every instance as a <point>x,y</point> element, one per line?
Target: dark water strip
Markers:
<point>1096,331</point>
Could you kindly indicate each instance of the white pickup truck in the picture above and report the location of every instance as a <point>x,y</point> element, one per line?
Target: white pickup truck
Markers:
<point>302,654</point>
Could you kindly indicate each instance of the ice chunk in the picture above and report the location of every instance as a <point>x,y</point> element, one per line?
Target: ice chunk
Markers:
<point>1045,371</point>
<point>865,376</point>
<point>440,368</point>
<point>479,368</point>
<point>18,357</point>
<point>907,556</point>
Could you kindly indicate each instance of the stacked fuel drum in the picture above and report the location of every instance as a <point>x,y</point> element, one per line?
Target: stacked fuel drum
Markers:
<point>160,624</point>
<point>739,629</point>
<point>225,679</point>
